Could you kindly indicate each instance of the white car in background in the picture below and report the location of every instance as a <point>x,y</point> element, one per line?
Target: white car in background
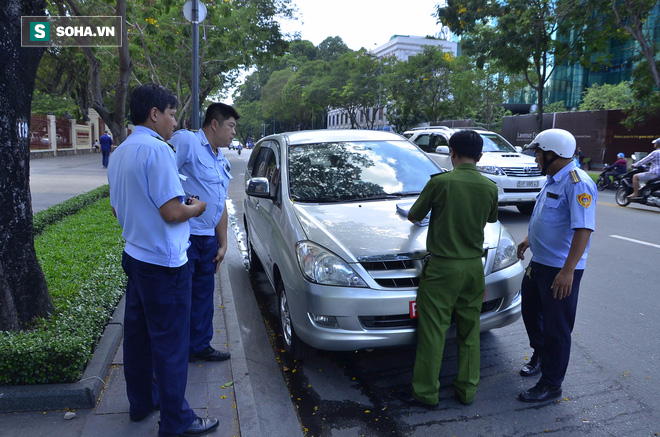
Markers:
<point>517,175</point>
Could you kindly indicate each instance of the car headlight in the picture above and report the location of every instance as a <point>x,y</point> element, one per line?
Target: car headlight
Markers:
<point>321,266</point>
<point>491,169</point>
<point>507,251</point>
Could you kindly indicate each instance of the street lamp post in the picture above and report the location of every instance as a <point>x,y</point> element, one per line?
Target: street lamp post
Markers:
<point>195,12</point>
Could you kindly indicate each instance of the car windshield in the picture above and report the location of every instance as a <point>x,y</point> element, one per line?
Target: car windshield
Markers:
<point>349,171</point>
<point>495,143</point>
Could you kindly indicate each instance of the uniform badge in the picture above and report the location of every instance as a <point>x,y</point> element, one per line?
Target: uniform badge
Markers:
<point>584,199</point>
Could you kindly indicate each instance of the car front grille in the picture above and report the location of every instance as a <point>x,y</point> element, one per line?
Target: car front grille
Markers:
<point>394,273</point>
<point>522,172</point>
<point>399,271</point>
<point>402,321</point>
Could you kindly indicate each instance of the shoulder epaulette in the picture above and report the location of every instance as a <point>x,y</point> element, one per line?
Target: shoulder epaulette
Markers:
<point>575,177</point>
<point>436,174</point>
<point>192,130</point>
<point>171,146</point>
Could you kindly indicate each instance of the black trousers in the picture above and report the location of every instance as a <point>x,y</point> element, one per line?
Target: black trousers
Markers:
<point>549,321</point>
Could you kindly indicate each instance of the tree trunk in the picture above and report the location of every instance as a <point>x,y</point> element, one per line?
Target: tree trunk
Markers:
<point>23,289</point>
<point>115,118</point>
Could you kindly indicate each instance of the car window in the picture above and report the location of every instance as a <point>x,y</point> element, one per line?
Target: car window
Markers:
<point>423,141</point>
<point>495,143</point>
<point>345,171</point>
<point>265,166</point>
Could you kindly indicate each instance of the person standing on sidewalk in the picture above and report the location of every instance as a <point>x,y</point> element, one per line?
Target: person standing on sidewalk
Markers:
<point>207,175</point>
<point>106,147</point>
<point>559,234</point>
<point>147,198</point>
<point>452,282</point>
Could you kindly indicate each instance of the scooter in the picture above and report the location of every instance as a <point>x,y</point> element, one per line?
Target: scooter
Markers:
<point>649,193</point>
<point>603,183</point>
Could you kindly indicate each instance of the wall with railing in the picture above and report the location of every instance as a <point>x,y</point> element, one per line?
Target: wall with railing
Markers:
<point>52,136</point>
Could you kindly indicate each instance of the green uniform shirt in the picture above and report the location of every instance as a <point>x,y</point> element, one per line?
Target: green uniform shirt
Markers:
<point>461,202</point>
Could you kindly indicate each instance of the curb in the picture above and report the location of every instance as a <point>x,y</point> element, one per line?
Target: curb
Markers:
<point>81,394</point>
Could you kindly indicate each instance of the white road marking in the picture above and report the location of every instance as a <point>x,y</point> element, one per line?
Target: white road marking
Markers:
<point>657,246</point>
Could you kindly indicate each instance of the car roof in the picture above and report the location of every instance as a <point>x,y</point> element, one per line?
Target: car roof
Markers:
<point>452,130</point>
<point>333,135</point>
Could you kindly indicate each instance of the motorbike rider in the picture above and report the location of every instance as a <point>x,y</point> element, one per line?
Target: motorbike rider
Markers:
<point>654,159</point>
<point>619,167</point>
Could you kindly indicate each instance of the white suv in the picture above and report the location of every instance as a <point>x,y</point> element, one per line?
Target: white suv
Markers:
<point>517,176</point>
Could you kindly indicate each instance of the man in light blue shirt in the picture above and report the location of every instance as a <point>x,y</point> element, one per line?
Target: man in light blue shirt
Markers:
<point>206,173</point>
<point>147,199</point>
<point>559,234</point>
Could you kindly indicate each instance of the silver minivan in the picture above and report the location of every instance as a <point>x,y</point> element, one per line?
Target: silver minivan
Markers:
<point>325,218</point>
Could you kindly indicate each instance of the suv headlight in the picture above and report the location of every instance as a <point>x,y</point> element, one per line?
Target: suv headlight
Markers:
<point>321,266</point>
<point>507,251</point>
<point>491,169</point>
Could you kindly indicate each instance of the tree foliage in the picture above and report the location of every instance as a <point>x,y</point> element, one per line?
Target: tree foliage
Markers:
<point>525,37</point>
<point>607,96</point>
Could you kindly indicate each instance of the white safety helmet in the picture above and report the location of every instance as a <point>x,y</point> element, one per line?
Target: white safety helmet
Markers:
<point>656,142</point>
<point>560,141</point>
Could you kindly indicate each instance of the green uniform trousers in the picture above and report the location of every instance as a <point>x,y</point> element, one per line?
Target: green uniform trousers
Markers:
<point>448,286</point>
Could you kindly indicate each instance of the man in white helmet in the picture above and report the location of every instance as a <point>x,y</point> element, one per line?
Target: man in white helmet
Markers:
<point>559,232</point>
<point>652,158</point>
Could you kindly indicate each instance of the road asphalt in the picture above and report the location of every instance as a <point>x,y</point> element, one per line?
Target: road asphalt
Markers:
<point>247,393</point>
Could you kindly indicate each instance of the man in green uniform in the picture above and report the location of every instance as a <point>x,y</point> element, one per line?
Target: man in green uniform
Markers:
<point>461,202</point>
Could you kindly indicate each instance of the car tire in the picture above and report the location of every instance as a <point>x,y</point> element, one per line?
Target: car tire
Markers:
<point>253,260</point>
<point>621,196</point>
<point>526,208</point>
<point>295,347</point>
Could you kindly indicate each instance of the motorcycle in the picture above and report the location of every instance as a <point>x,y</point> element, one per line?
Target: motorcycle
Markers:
<point>649,194</point>
<point>603,183</point>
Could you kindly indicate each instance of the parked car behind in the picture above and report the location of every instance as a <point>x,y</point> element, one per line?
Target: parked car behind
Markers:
<point>517,175</point>
<point>321,219</point>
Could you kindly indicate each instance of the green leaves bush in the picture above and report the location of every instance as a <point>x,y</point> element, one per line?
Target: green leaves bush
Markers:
<point>79,249</point>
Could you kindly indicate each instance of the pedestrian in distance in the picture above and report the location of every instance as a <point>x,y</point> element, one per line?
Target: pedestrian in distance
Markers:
<point>96,145</point>
<point>652,158</point>
<point>106,147</point>
<point>452,282</point>
<point>207,175</point>
<point>559,235</point>
<point>148,200</point>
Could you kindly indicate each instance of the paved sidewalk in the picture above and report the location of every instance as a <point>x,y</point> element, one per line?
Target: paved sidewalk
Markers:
<point>247,393</point>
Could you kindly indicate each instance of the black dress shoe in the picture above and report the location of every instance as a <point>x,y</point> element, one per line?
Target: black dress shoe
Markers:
<point>139,417</point>
<point>209,354</point>
<point>533,367</point>
<point>202,426</point>
<point>407,398</point>
<point>540,393</point>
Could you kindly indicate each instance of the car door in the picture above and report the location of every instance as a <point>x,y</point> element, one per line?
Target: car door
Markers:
<point>263,213</point>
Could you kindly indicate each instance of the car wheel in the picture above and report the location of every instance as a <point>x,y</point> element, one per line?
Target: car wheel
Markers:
<point>294,346</point>
<point>253,259</point>
<point>621,196</point>
<point>526,208</point>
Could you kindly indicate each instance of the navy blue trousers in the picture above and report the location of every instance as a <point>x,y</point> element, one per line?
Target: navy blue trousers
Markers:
<point>105,156</point>
<point>201,252</point>
<point>549,321</point>
<point>156,338</point>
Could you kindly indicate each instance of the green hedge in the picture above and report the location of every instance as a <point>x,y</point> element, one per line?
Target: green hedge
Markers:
<point>68,207</point>
<point>81,258</point>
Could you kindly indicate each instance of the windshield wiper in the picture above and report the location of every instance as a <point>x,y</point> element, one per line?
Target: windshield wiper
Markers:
<point>378,197</point>
<point>406,193</point>
<point>315,199</point>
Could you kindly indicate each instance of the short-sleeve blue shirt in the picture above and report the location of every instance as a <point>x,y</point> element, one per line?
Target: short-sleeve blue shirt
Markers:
<point>567,202</point>
<point>143,176</point>
<point>206,175</point>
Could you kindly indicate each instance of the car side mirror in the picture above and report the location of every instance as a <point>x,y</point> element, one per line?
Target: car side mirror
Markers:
<point>258,187</point>
<point>518,149</point>
<point>443,150</point>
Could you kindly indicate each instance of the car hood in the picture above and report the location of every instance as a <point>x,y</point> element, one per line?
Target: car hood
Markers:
<point>507,159</point>
<point>372,229</point>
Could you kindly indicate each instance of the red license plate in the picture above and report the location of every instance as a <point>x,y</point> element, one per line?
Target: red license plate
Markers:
<point>413,309</point>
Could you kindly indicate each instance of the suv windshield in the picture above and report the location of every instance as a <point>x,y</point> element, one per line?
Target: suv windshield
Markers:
<point>494,143</point>
<point>345,171</point>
